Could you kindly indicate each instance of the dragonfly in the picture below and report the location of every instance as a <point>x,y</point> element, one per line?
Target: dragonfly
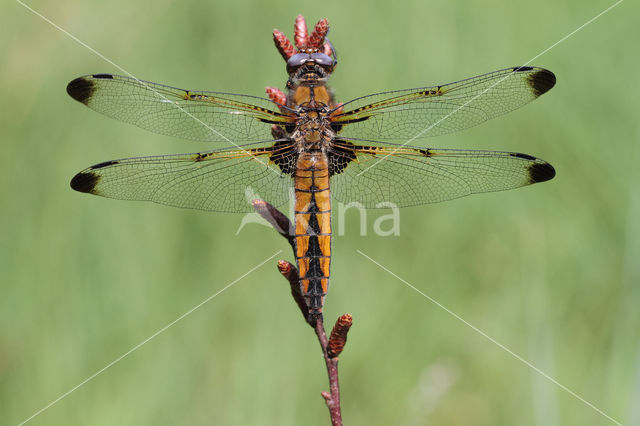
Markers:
<point>302,142</point>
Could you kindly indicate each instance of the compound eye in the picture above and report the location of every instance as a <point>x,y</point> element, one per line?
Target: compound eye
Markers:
<point>322,60</point>
<point>297,60</point>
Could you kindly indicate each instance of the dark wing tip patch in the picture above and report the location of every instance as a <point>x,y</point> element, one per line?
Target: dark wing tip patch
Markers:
<point>541,172</point>
<point>541,82</point>
<point>85,182</point>
<point>81,89</point>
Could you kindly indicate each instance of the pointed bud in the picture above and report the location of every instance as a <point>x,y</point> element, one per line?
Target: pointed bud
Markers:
<point>327,397</point>
<point>321,29</point>
<point>338,337</point>
<point>338,109</point>
<point>283,45</point>
<point>291,274</point>
<point>327,49</point>
<point>301,35</point>
<point>277,96</point>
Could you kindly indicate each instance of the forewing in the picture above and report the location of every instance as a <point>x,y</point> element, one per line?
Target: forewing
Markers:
<point>195,115</point>
<point>405,115</point>
<point>222,181</point>
<point>412,176</point>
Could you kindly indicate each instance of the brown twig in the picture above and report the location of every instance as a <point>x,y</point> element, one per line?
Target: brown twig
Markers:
<point>331,347</point>
<point>332,399</point>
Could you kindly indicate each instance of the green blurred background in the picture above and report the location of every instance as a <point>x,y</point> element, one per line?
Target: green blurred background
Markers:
<point>550,271</point>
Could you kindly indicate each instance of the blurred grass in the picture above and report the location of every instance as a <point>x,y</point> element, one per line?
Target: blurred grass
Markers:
<point>550,271</point>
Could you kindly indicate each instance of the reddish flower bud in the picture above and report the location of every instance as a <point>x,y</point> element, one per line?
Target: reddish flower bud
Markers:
<point>338,337</point>
<point>283,44</point>
<point>277,96</point>
<point>301,37</point>
<point>290,272</point>
<point>327,49</point>
<point>321,29</point>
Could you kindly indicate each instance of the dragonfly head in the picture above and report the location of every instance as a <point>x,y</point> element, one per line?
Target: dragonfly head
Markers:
<point>305,66</point>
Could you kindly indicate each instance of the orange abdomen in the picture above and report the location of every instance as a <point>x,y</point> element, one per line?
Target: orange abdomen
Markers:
<point>313,228</point>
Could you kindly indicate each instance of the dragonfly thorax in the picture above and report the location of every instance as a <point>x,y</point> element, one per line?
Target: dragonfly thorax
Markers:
<point>313,131</point>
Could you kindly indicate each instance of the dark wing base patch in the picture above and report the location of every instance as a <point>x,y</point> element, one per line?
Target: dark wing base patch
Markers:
<point>340,155</point>
<point>284,156</point>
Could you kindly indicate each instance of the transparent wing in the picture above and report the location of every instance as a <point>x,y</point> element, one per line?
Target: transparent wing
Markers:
<point>223,181</point>
<point>404,176</point>
<point>405,115</point>
<point>202,116</point>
